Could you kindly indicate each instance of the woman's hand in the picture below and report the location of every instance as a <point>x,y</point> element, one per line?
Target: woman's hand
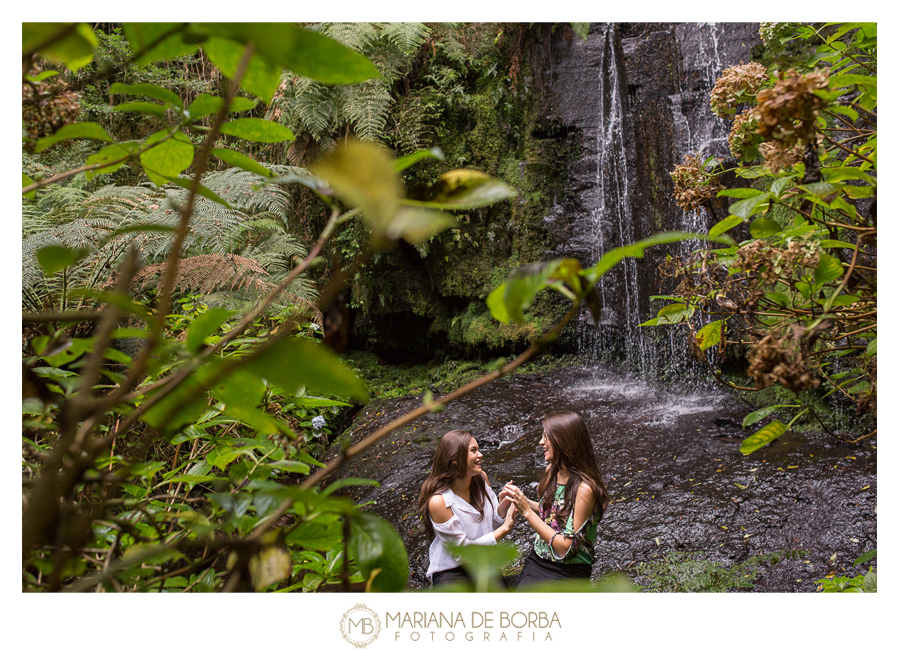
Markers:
<point>504,500</point>
<point>513,494</point>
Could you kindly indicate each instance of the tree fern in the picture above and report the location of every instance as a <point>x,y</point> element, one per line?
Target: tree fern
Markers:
<point>79,220</point>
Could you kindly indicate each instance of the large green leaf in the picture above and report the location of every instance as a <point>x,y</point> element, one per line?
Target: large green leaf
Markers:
<point>316,536</point>
<point>149,90</point>
<point>485,564</point>
<point>379,553</point>
<point>763,437</point>
<point>710,334</point>
<point>725,225</point>
<point>293,363</point>
<point>463,188</point>
<point>111,153</point>
<point>763,227</point>
<point>746,208</point>
<point>759,414</point>
<point>84,130</point>
<point>204,105</point>
<point>60,43</point>
<point>307,53</point>
<point>155,41</point>
<point>54,258</point>
<point>523,284</point>
<point>238,159</point>
<point>168,157</point>
<point>363,175</point>
<point>261,77</point>
<point>417,225</point>
<point>257,130</point>
<point>828,269</point>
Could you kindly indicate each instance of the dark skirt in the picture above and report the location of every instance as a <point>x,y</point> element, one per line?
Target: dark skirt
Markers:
<point>454,575</point>
<point>537,569</point>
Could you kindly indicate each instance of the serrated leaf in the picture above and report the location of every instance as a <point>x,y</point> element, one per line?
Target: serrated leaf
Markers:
<point>710,335</point>
<point>149,90</point>
<point>83,130</point>
<point>168,157</point>
<point>763,437</point>
<point>245,162</point>
<point>257,130</point>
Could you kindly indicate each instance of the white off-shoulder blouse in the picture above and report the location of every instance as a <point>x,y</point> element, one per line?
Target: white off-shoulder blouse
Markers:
<point>462,529</point>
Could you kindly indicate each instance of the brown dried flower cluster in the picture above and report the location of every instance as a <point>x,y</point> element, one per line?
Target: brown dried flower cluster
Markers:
<point>778,157</point>
<point>48,106</point>
<point>770,263</point>
<point>693,184</point>
<point>743,138</point>
<point>788,111</point>
<point>736,84</point>
<point>773,362</point>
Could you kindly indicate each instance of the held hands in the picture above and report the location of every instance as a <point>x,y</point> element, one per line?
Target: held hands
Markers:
<point>512,494</point>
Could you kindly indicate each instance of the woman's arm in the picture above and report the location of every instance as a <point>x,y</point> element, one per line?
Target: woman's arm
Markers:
<point>450,531</point>
<point>559,544</point>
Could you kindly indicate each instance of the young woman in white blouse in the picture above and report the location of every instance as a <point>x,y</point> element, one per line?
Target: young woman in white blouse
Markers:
<point>458,506</point>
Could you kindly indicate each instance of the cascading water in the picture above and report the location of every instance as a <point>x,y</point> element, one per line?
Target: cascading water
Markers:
<point>639,95</point>
<point>610,219</point>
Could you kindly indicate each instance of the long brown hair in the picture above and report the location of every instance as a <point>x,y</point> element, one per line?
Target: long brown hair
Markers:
<point>572,449</point>
<point>451,463</point>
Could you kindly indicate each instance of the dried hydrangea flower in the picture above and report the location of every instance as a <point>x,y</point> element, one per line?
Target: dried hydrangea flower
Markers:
<point>787,112</point>
<point>737,84</point>
<point>693,184</point>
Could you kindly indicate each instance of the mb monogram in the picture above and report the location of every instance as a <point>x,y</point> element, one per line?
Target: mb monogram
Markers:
<point>360,625</point>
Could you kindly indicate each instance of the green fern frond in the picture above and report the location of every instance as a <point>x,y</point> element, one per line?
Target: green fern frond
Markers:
<point>367,109</point>
<point>357,36</point>
<point>406,36</point>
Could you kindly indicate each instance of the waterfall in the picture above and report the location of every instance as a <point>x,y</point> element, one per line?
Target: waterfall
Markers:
<point>639,96</point>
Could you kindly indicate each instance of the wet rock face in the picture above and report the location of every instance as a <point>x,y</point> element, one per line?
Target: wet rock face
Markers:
<point>672,467</point>
<point>637,95</point>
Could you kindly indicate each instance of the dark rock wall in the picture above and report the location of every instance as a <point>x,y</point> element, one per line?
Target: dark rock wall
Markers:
<point>637,94</point>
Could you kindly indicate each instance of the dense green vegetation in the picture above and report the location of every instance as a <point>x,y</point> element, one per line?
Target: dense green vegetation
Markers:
<point>206,206</point>
<point>799,298</point>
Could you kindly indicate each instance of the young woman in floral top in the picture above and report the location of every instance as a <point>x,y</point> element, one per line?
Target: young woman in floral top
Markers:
<point>572,501</point>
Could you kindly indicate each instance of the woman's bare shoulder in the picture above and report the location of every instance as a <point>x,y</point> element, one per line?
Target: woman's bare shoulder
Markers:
<point>438,509</point>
